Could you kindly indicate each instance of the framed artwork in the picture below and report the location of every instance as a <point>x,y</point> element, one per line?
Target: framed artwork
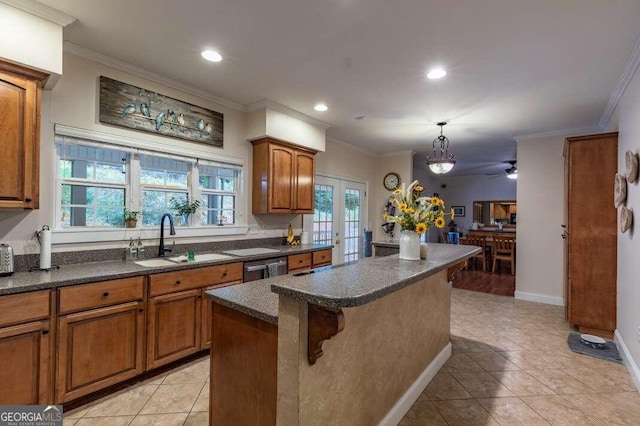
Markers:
<point>458,210</point>
<point>124,105</point>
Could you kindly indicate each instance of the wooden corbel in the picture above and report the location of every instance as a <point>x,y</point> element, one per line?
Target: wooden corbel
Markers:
<point>451,272</point>
<point>323,324</point>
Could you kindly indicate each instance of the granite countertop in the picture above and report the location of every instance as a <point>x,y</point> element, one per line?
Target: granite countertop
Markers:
<point>348,285</point>
<point>82,273</point>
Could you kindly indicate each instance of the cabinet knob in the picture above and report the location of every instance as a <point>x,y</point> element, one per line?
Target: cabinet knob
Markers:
<point>28,200</point>
<point>224,274</point>
<point>199,297</point>
<point>299,260</point>
<point>105,294</point>
<point>177,282</point>
<point>45,331</point>
<point>140,310</point>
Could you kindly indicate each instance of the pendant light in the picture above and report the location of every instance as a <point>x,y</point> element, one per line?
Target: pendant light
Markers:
<point>444,162</point>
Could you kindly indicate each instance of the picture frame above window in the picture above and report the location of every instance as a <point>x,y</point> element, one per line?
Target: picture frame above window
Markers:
<point>125,105</point>
<point>458,211</point>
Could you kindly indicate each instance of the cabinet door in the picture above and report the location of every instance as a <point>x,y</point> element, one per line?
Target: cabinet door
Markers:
<point>25,371</point>
<point>206,315</point>
<point>304,176</point>
<point>99,348</point>
<point>19,139</point>
<point>281,179</point>
<point>173,327</point>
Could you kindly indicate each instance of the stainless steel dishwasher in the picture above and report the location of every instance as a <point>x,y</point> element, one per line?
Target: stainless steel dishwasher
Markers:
<point>265,268</point>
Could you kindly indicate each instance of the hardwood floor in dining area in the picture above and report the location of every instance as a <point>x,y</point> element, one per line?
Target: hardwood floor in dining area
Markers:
<point>501,282</point>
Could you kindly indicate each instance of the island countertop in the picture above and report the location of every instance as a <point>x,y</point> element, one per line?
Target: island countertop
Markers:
<point>349,285</point>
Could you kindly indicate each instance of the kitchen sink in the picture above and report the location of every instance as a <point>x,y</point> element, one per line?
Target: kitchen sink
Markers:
<point>151,263</point>
<point>205,257</point>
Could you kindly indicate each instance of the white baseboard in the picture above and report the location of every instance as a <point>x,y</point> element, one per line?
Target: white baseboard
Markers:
<point>539,298</point>
<point>634,371</point>
<point>403,405</point>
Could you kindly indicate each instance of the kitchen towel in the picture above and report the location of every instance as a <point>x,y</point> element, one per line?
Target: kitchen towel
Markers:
<point>44,237</point>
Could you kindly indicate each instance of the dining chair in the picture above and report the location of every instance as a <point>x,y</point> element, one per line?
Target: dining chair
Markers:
<point>504,248</point>
<point>480,241</point>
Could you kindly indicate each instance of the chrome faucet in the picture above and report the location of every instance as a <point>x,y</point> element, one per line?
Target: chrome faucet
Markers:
<point>172,231</point>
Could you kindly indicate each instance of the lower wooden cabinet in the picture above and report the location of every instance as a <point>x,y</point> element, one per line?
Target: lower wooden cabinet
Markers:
<point>99,348</point>
<point>173,327</point>
<point>206,314</point>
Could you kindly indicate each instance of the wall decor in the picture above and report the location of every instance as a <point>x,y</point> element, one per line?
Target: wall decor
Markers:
<point>458,210</point>
<point>631,163</point>
<point>619,190</point>
<point>124,105</point>
<point>626,219</point>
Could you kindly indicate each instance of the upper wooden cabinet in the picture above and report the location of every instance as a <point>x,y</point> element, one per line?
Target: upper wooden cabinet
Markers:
<point>20,90</point>
<point>283,178</point>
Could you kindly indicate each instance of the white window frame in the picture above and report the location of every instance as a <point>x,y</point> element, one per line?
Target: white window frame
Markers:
<point>133,189</point>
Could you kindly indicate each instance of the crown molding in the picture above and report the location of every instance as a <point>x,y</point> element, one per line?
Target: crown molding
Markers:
<point>398,153</point>
<point>560,133</point>
<point>141,72</point>
<point>352,147</point>
<point>267,103</point>
<point>42,11</point>
<point>625,79</point>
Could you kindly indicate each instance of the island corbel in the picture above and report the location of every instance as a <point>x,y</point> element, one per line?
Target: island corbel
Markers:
<point>323,324</point>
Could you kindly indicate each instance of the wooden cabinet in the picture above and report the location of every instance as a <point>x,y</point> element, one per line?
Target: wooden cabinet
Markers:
<point>321,258</point>
<point>591,234</point>
<point>177,309</point>
<point>20,91</point>
<point>283,178</point>
<point>206,315</point>
<point>310,260</point>
<point>26,349</point>
<point>100,336</point>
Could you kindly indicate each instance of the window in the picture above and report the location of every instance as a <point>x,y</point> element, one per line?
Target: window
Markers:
<point>218,186</point>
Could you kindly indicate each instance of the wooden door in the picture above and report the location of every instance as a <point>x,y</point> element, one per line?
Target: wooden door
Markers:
<point>206,315</point>
<point>281,179</point>
<point>25,369</point>
<point>304,178</point>
<point>173,327</point>
<point>592,232</point>
<point>19,139</point>
<point>99,348</point>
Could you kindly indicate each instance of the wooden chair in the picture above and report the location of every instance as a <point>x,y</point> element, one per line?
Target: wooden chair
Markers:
<point>480,241</point>
<point>504,248</point>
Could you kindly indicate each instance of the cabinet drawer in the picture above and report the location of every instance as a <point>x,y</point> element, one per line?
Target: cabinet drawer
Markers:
<point>298,261</point>
<point>193,278</point>
<point>322,257</point>
<point>20,308</point>
<point>95,295</point>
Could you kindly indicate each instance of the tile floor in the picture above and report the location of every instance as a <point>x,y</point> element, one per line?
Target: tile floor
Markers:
<point>510,366</point>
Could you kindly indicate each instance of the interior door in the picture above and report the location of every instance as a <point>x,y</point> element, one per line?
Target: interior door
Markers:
<point>339,217</point>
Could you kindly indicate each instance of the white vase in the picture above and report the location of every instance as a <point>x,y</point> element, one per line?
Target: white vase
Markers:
<point>409,245</point>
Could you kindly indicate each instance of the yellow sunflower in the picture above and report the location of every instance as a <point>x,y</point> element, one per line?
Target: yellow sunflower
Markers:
<point>441,202</point>
<point>398,191</point>
<point>410,210</point>
<point>435,201</point>
<point>453,215</point>
<point>440,222</point>
<point>402,207</point>
<point>421,228</point>
<point>418,188</point>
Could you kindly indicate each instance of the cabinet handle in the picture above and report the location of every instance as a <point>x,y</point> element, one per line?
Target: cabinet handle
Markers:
<point>224,274</point>
<point>299,260</point>
<point>45,331</point>
<point>177,282</point>
<point>105,294</point>
<point>140,310</point>
<point>28,200</point>
<point>199,297</point>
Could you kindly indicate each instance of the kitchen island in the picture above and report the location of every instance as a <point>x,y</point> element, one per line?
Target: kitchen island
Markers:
<point>353,344</point>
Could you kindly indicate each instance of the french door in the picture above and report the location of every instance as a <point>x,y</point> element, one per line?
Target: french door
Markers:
<point>339,217</point>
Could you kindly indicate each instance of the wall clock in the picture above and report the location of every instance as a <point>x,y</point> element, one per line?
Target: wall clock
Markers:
<point>391,181</point>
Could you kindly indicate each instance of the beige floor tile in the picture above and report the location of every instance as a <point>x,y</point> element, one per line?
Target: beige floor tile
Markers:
<point>526,360</point>
<point>461,362</point>
<point>76,413</point>
<point>445,386</point>
<point>174,419</point>
<point>627,401</point>
<point>560,382</point>
<point>172,399</point>
<point>602,380</point>
<point>492,361</point>
<point>558,411</point>
<point>198,419</point>
<point>520,383</point>
<point>511,411</point>
<point>69,421</point>
<point>155,380</point>
<point>423,413</point>
<point>128,402</point>
<point>482,385</point>
<point>105,421</point>
<point>197,372</point>
<point>202,403</point>
<point>462,412</point>
<point>602,409</point>
<point>460,344</point>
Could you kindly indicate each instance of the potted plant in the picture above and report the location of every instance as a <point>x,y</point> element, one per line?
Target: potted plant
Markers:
<point>184,208</point>
<point>130,218</point>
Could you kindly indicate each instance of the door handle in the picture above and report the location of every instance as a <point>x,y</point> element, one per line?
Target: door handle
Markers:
<point>255,268</point>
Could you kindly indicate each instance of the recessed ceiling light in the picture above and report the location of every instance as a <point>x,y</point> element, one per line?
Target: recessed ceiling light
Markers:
<point>321,107</point>
<point>211,55</point>
<point>436,73</point>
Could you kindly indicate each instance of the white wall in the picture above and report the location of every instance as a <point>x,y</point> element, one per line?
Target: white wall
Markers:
<point>402,164</point>
<point>628,319</point>
<point>276,124</point>
<point>541,203</point>
<point>31,41</point>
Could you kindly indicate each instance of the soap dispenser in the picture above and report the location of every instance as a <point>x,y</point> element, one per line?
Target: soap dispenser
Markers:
<point>131,250</point>
<point>140,249</point>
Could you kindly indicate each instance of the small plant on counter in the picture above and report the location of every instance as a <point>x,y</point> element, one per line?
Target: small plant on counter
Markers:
<point>184,208</point>
<point>130,218</point>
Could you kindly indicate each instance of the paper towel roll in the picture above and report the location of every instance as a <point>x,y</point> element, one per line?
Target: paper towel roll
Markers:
<point>45,248</point>
<point>305,237</point>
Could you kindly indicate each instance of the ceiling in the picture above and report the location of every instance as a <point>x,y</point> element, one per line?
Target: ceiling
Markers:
<point>515,67</point>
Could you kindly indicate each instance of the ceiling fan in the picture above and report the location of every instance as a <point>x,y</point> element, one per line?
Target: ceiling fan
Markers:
<point>511,172</point>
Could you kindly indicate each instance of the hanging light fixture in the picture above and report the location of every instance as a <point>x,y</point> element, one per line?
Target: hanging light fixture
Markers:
<point>444,162</point>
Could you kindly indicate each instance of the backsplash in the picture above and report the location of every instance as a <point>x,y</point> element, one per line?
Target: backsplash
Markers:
<point>24,262</point>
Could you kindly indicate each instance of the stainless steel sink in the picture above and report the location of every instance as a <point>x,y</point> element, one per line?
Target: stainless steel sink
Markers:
<point>205,257</point>
<point>154,263</point>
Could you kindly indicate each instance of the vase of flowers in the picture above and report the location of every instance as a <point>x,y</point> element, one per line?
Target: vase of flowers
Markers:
<point>184,209</point>
<point>415,215</point>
